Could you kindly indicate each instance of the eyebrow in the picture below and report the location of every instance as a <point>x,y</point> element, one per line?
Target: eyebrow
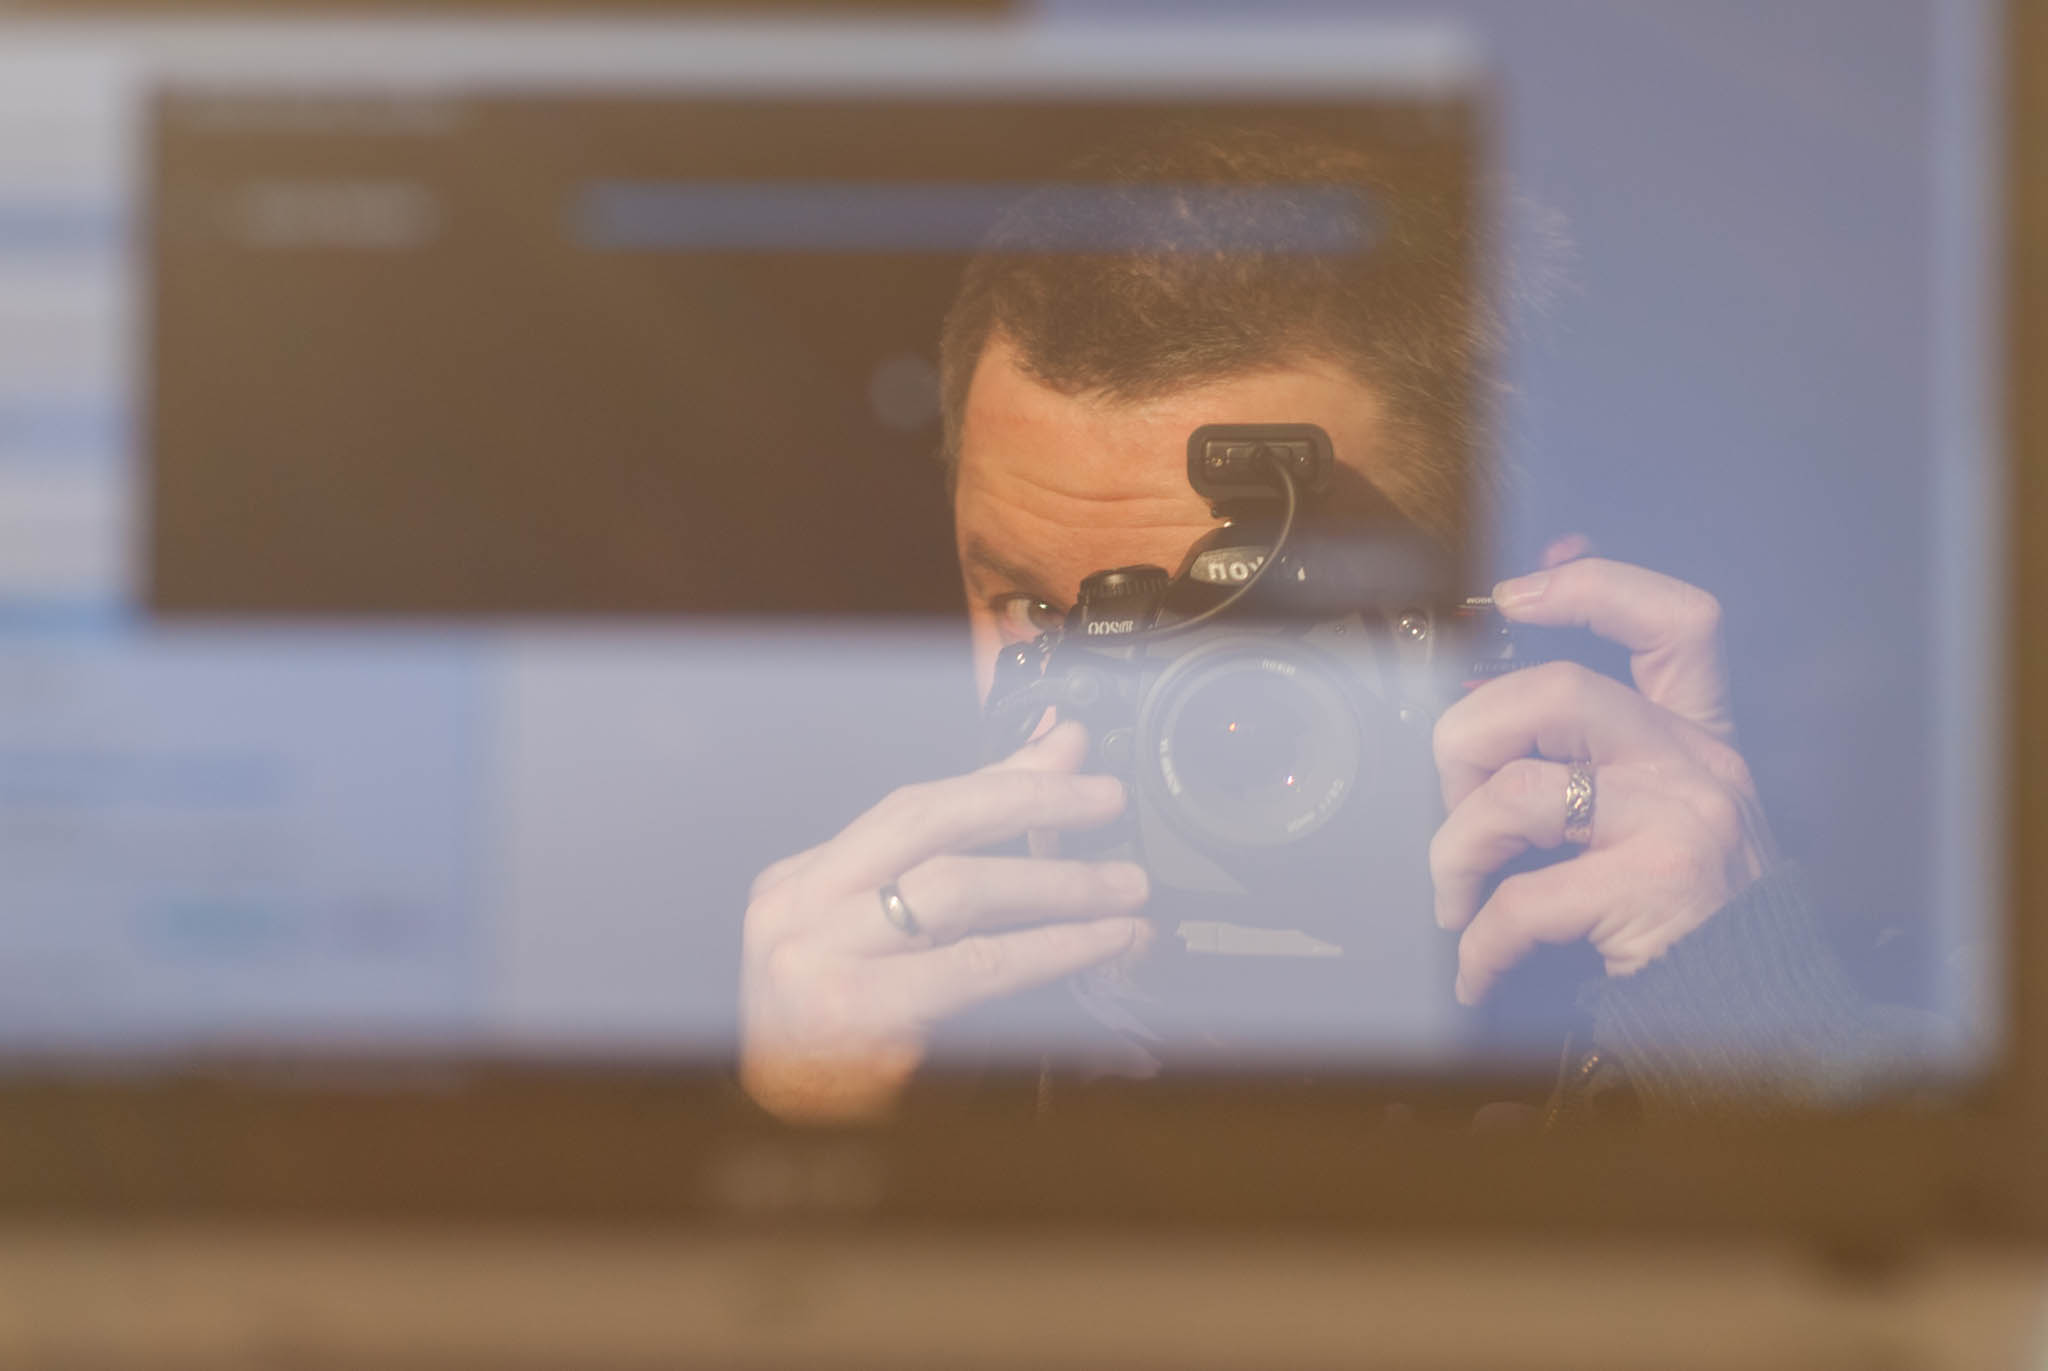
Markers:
<point>979,555</point>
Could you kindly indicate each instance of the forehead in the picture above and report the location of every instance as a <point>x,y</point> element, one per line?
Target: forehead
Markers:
<point>1068,484</point>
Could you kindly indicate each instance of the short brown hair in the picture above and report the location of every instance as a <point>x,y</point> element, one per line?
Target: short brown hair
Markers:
<point>1402,314</point>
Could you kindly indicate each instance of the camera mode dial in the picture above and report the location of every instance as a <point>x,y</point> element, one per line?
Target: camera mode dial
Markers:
<point>1122,601</point>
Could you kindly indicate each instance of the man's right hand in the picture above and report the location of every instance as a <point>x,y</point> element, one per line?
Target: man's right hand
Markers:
<point>838,1004</point>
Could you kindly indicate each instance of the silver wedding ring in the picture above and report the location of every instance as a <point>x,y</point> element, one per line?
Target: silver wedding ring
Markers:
<point>898,913</point>
<point>1578,805</point>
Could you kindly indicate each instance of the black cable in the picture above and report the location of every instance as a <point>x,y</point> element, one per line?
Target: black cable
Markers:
<point>1224,605</point>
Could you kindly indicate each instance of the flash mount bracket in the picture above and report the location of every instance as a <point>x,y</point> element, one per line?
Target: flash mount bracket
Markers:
<point>1228,464</point>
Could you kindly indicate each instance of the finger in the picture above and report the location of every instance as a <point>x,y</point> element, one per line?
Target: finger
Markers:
<point>1061,748</point>
<point>985,966</point>
<point>1522,806</point>
<point>1672,630</point>
<point>955,896</point>
<point>958,815</point>
<point>1558,710</point>
<point>1554,904</point>
<point>1519,807</point>
<point>1569,548</point>
<point>775,873</point>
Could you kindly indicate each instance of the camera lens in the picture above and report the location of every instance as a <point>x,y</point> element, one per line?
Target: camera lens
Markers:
<point>1243,739</point>
<point>1255,748</point>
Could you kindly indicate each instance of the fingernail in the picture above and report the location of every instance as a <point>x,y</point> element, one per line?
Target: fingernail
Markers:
<point>1459,990</point>
<point>1127,880</point>
<point>1108,790</point>
<point>1521,590</point>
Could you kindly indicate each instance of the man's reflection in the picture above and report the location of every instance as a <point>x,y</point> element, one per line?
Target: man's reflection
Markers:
<point>1072,384</point>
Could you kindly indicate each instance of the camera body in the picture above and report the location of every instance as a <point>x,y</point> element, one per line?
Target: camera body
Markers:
<point>1271,704</point>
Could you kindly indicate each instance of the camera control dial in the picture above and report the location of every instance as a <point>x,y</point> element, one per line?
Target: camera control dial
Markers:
<point>1121,601</point>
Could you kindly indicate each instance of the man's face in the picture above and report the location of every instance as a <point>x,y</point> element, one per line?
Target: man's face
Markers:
<point>1053,487</point>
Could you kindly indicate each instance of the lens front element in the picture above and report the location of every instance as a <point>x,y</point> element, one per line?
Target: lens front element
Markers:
<point>1256,746</point>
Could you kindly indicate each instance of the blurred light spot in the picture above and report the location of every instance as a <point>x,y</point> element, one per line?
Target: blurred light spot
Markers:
<point>378,215</point>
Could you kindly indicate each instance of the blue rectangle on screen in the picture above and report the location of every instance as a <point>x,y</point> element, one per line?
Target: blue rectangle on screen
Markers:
<point>950,217</point>
<point>33,227</point>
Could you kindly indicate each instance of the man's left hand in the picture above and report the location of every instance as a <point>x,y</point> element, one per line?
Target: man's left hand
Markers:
<point>1676,828</point>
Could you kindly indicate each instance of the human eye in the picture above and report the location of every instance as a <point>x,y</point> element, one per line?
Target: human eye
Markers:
<point>1022,616</point>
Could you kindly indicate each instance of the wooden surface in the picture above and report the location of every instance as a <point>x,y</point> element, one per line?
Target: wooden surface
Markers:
<point>231,1299</point>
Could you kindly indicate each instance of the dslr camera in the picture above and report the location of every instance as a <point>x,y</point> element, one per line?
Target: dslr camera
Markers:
<point>1269,704</point>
